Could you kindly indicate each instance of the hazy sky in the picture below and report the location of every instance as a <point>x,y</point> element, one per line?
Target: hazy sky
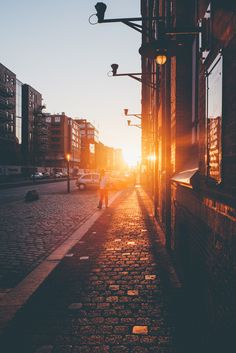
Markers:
<point>50,45</point>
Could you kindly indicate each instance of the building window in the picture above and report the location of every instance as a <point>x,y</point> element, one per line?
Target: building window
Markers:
<point>91,148</point>
<point>214,81</point>
<point>55,139</point>
<point>55,147</point>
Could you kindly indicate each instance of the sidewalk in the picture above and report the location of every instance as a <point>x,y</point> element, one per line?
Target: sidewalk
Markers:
<point>111,293</point>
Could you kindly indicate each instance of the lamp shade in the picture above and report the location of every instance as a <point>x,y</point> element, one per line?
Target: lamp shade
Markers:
<point>101,8</point>
<point>114,69</point>
<point>161,59</point>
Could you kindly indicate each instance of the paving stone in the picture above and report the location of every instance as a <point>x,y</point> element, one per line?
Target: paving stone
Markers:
<point>112,299</point>
<point>131,339</point>
<point>113,339</point>
<point>114,287</point>
<point>133,292</point>
<point>75,306</point>
<point>150,277</point>
<point>97,320</point>
<point>119,349</point>
<point>99,349</point>
<point>140,349</point>
<point>149,340</point>
<point>103,305</point>
<point>140,330</point>
<point>121,329</point>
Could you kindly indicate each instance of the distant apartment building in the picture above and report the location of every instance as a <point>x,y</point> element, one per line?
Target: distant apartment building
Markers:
<point>74,143</point>
<point>34,128</point>
<point>64,138</point>
<point>108,158</point>
<point>9,144</point>
<point>18,130</point>
<point>89,138</point>
<point>118,161</point>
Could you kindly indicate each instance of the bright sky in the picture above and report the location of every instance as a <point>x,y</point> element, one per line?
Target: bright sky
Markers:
<point>50,45</point>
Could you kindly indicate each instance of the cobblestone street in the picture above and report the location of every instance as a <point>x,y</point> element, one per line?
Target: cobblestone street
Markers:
<point>108,295</point>
<point>30,231</point>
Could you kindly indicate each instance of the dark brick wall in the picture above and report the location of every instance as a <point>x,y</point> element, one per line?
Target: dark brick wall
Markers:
<point>205,244</point>
<point>229,114</point>
<point>204,218</point>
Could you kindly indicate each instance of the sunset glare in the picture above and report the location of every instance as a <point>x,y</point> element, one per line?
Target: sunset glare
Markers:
<point>131,157</point>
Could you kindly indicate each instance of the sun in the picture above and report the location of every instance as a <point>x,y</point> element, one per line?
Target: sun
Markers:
<point>131,157</point>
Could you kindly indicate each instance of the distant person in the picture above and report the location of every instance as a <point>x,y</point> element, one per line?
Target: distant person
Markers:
<point>103,188</point>
<point>134,177</point>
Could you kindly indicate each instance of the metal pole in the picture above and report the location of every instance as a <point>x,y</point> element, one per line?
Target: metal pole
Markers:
<point>68,176</point>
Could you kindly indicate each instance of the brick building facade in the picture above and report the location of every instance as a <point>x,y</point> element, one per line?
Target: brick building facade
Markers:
<point>191,130</point>
<point>64,138</point>
<point>34,130</point>
<point>89,139</point>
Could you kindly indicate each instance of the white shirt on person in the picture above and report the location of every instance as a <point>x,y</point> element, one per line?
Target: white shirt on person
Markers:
<point>104,182</point>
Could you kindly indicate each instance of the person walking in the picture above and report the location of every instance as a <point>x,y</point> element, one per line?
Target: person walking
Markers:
<point>103,188</point>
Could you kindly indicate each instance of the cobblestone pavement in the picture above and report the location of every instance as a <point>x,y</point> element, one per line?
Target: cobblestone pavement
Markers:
<point>31,231</point>
<point>106,296</point>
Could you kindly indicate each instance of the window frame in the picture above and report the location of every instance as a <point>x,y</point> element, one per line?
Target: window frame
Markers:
<point>214,130</point>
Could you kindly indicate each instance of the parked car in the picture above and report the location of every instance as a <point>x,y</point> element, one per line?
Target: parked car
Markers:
<point>88,181</point>
<point>46,175</point>
<point>59,175</point>
<point>91,181</point>
<point>36,175</point>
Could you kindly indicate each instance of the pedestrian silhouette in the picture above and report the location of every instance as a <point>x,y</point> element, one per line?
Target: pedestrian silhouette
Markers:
<point>103,188</point>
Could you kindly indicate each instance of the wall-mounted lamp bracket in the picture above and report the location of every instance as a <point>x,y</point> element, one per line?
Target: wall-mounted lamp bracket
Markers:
<point>139,116</point>
<point>101,9</point>
<point>113,73</point>
<point>136,125</point>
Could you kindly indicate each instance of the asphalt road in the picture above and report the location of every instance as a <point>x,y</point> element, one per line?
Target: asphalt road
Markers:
<point>18,193</point>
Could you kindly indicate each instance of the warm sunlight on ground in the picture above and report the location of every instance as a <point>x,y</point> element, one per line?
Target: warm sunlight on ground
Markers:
<point>131,157</point>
